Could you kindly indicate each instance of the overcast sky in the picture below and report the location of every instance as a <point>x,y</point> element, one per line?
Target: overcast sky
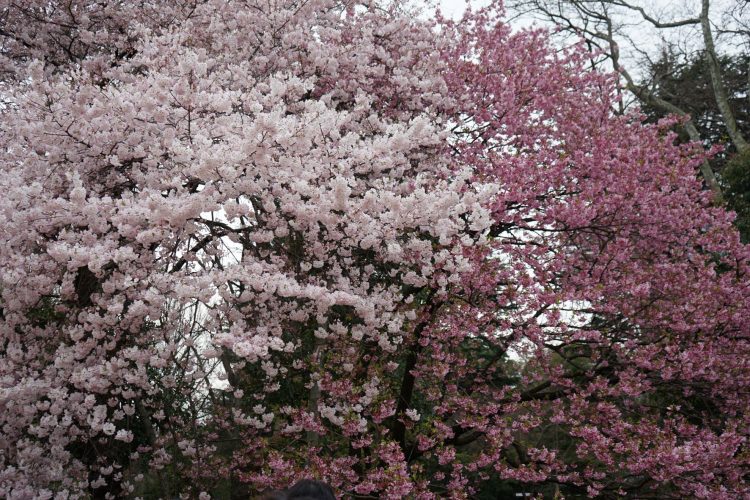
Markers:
<point>452,8</point>
<point>638,39</point>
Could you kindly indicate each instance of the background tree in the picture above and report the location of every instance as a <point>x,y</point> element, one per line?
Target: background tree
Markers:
<point>408,257</point>
<point>610,25</point>
<point>687,85</point>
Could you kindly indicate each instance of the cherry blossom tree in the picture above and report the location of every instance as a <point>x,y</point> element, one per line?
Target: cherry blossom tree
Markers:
<point>248,242</point>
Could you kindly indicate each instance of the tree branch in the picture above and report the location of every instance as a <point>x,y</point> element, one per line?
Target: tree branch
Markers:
<point>720,92</point>
<point>407,383</point>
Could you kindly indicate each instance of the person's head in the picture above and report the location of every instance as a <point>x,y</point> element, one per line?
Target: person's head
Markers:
<point>306,489</point>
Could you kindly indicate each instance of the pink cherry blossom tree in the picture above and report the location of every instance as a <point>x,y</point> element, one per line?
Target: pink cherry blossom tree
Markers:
<point>247,242</point>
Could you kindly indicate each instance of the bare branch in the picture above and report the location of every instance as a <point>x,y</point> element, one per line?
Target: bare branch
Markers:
<point>655,22</point>
<point>720,92</point>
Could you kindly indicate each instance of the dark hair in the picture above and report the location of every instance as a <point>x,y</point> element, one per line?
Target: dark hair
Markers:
<point>306,489</point>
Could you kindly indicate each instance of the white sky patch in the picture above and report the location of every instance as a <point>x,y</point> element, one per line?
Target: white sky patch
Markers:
<point>454,9</point>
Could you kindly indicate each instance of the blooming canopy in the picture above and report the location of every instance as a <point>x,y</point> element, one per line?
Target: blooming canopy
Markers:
<point>247,242</point>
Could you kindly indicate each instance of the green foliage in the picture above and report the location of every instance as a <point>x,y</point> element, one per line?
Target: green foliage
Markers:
<point>687,84</point>
<point>737,178</point>
<point>45,313</point>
